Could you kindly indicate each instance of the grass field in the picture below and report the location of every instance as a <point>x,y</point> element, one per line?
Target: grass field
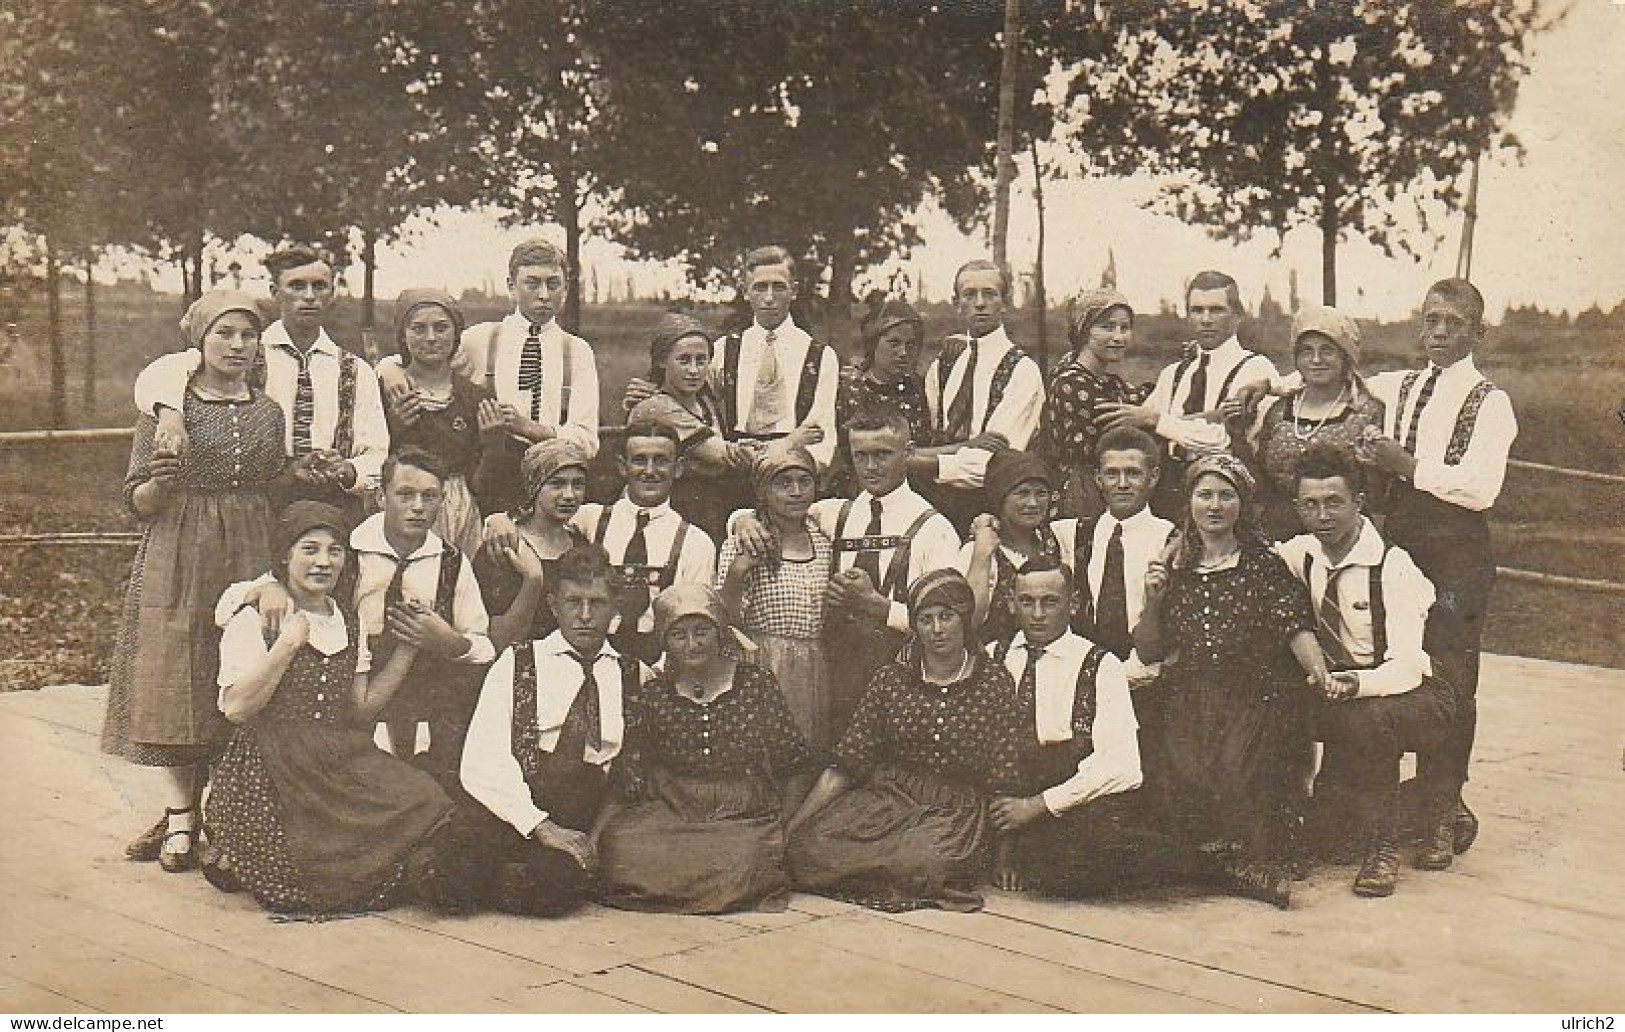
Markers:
<point>58,606</point>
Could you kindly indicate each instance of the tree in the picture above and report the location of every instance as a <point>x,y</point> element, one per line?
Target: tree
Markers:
<point>1273,113</point>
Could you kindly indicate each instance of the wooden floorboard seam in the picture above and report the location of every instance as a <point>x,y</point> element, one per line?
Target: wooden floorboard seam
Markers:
<point>639,967</point>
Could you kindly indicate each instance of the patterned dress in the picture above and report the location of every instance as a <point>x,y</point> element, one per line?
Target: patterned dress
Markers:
<point>704,832</point>
<point>1284,436</point>
<point>451,430</point>
<point>1234,740</point>
<point>857,393</point>
<point>913,831</point>
<point>213,531</point>
<point>1067,433</point>
<point>308,813</point>
<point>784,615</point>
<point>500,584</point>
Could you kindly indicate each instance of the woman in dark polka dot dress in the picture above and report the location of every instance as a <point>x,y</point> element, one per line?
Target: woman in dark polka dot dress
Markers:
<point>885,379</point>
<point>900,822</point>
<point>305,811</point>
<point>1237,633</point>
<point>207,524</point>
<point>711,753</point>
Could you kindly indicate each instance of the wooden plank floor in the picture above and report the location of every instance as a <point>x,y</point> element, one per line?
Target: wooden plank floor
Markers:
<point>1531,920</point>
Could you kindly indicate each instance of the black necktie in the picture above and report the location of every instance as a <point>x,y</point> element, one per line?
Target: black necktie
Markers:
<point>957,423</point>
<point>583,724</point>
<point>1028,687</point>
<point>1422,400</point>
<point>1196,400</point>
<point>1331,627</point>
<point>637,546</point>
<point>635,561</point>
<point>530,370</point>
<point>304,404</point>
<point>868,559</point>
<point>1111,608</point>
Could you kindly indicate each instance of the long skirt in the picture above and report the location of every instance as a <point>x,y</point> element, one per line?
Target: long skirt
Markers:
<point>799,668</point>
<point>904,840</point>
<point>695,845</point>
<point>316,818</point>
<point>161,700</point>
<point>459,522</point>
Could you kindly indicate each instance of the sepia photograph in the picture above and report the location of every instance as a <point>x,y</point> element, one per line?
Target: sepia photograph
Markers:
<point>915,507</point>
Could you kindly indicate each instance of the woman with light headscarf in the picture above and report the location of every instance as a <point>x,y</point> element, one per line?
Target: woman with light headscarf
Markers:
<point>1331,406</point>
<point>901,820</point>
<point>1101,329</point>
<point>778,601</point>
<point>207,523</point>
<point>712,760</point>
<point>431,406</point>
<point>513,577</point>
<point>1229,767</point>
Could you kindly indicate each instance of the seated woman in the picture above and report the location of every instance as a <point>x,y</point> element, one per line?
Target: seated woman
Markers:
<point>711,750</point>
<point>779,601</point>
<point>901,821</point>
<point>886,378</point>
<point>1101,331</point>
<point>1019,491</point>
<point>715,469</point>
<point>1232,758</point>
<point>430,406</point>
<point>305,811</point>
<point>512,577</point>
<point>1332,406</point>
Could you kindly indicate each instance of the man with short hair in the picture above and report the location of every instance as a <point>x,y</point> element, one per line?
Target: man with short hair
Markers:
<point>336,431</point>
<point>1185,406</point>
<point>1372,606</point>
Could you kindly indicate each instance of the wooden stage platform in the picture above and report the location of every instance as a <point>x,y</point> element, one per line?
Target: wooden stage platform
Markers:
<point>1532,919</point>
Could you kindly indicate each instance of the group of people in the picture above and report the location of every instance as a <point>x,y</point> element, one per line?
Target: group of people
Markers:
<point>880,632</point>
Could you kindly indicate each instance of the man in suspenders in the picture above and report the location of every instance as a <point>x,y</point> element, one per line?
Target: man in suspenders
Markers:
<point>336,431</point>
<point>1449,432</point>
<point>649,543</point>
<point>1372,606</point>
<point>984,394</point>
<point>1184,408</point>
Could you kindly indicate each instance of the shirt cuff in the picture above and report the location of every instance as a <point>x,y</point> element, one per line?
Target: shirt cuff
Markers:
<point>897,617</point>
<point>1054,801</point>
<point>480,651</point>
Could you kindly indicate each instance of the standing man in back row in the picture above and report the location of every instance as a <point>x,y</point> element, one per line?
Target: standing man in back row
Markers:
<point>1184,407</point>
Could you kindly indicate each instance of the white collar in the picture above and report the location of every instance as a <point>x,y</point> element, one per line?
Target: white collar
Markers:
<point>369,537</point>
<point>555,645</point>
<point>1067,645</point>
<point>1464,369</point>
<point>1367,551</point>
<point>522,323</point>
<point>276,336</point>
<point>655,512</point>
<point>888,501</point>
<point>995,339</point>
<point>786,330</point>
<point>1143,518</point>
<point>1230,350</point>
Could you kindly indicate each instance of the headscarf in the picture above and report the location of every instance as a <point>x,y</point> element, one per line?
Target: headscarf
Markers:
<point>775,459</point>
<point>945,587</point>
<point>300,518</point>
<point>545,458</point>
<point>689,599</point>
<point>1235,473</point>
<point>672,328</point>
<point>410,301</point>
<point>1009,468</point>
<point>207,310</point>
<point>1089,308</point>
<point>882,316</point>
<point>1337,327</point>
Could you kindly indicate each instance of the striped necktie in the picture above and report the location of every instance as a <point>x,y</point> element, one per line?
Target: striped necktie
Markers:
<point>583,722</point>
<point>530,371</point>
<point>304,403</point>
<point>1422,400</point>
<point>957,425</point>
<point>1330,626</point>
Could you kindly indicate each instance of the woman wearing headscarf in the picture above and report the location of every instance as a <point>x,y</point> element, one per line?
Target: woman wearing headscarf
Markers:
<point>1231,760</point>
<point>1100,331</point>
<point>715,469</point>
<point>885,378</point>
<point>305,811</point>
<point>711,755</point>
<point>901,820</point>
<point>1331,406</point>
<point>206,518</point>
<point>432,407</point>
<point>778,600</point>
<point>1019,490</point>
<point>513,577</point>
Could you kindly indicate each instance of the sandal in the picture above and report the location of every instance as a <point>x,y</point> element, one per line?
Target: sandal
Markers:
<point>179,861</point>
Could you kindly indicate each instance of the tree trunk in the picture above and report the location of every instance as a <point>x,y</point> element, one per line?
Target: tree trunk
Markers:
<point>59,362</point>
<point>186,278</point>
<point>369,311</point>
<point>1004,165</point>
<point>1328,242</point>
<point>90,334</point>
<point>197,268</point>
<point>843,261</point>
<point>569,214</point>
<point>1040,294</point>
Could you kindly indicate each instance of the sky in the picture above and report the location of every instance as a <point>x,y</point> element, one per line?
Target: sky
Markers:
<point>1549,232</point>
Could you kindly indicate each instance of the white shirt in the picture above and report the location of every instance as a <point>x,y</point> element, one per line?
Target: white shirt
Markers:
<point>1475,482</point>
<point>242,646</point>
<point>697,564</point>
<point>1016,416</point>
<point>489,770</point>
<point>1144,536</point>
<point>1407,595</point>
<point>1114,765</point>
<point>1169,403</point>
<point>580,422</point>
<point>164,383</point>
<point>790,343</point>
<point>376,567</point>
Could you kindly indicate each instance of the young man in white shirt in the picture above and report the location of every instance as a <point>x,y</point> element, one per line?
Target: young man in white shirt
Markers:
<point>549,724</point>
<point>983,393</point>
<point>1082,832</point>
<point>1372,606</point>
<point>1185,407</point>
<point>336,431</point>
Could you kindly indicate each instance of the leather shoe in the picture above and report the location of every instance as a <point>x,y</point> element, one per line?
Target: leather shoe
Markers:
<point>144,848</point>
<point>1380,872</point>
<point>1466,828</point>
<point>217,871</point>
<point>1267,883</point>
<point>1438,845</point>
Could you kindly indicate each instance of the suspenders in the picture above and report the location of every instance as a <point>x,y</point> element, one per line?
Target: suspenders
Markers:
<point>806,386</point>
<point>952,349</point>
<point>1084,690</point>
<point>1461,435</point>
<point>896,576</point>
<point>657,577</point>
<point>567,356</point>
<point>1379,609</point>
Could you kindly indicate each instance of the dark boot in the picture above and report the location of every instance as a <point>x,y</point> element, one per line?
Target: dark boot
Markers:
<point>1465,829</point>
<point>145,847</point>
<point>1266,882</point>
<point>1438,845</point>
<point>1380,871</point>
